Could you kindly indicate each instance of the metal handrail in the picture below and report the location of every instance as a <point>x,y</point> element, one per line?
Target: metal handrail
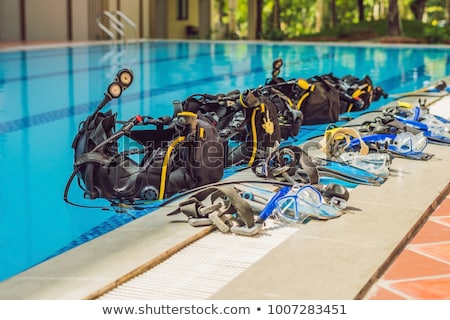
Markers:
<point>115,24</point>
<point>105,29</point>
<point>128,21</point>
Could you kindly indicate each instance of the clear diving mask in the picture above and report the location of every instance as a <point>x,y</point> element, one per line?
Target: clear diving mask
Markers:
<point>407,142</point>
<point>303,202</point>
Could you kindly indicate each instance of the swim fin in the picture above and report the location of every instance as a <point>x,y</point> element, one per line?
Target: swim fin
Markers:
<point>346,172</point>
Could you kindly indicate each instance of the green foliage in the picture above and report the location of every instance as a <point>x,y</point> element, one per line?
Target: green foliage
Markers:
<point>435,34</point>
<point>274,35</point>
<point>357,31</point>
<point>298,21</point>
<point>412,30</point>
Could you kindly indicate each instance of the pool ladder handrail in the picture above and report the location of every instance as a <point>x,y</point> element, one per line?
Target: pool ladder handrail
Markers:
<point>116,25</point>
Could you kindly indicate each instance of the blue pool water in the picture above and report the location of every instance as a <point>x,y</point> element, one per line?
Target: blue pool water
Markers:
<point>45,93</point>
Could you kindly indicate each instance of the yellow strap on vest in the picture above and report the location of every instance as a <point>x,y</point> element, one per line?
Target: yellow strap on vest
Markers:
<point>302,99</point>
<point>186,114</point>
<point>162,185</point>
<point>241,100</point>
<point>289,101</point>
<point>299,103</point>
<point>356,93</point>
<point>254,138</point>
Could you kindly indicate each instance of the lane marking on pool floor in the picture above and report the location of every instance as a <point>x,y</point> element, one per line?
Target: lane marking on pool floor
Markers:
<point>203,267</point>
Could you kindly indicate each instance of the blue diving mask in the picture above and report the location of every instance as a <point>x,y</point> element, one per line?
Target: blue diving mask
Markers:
<point>303,202</point>
<point>407,142</point>
<point>437,127</point>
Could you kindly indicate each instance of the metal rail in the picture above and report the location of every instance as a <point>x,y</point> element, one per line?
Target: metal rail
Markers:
<point>116,29</point>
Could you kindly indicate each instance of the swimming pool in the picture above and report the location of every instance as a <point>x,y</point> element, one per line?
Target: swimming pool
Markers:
<point>45,93</point>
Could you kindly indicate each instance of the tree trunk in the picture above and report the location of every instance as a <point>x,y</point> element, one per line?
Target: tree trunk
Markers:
<point>232,16</point>
<point>276,15</point>
<point>361,10</point>
<point>320,7</point>
<point>221,10</point>
<point>394,26</point>
<point>259,9</point>
<point>447,12</point>
<point>333,13</point>
<point>418,8</point>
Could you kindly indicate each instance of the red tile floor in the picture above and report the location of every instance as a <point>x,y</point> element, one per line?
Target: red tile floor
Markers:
<point>422,270</point>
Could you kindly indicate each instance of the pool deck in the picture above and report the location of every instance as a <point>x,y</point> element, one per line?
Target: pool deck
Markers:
<point>340,259</point>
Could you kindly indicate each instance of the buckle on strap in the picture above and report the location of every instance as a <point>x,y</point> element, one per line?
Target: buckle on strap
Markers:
<point>223,201</point>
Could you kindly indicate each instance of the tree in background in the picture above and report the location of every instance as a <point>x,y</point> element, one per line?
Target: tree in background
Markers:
<point>276,15</point>
<point>333,13</point>
<point>292,19</point>
<point>361,16</point>
<point>220,23</point>
<point>379,9</point>
<point>418,8</point>
<point>394,26</point>
<point>259,22</point>
<point>447,12</point>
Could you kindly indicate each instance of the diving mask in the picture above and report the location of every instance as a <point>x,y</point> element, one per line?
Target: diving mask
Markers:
<point>407,142</point>
<point>437,127</point>
<point>304,202</point>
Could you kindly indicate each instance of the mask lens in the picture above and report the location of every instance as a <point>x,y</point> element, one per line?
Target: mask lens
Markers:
<point>310,195</point>
<point>408,142</point>
<point>419,142</point>
<point>404,142</point>
<point>287,207</point>
<point>299,204</point>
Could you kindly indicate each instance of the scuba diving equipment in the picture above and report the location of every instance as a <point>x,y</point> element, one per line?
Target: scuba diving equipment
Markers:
<point>261,130</point>
<point>221,206</point>
<point>377,162</point>
<point>319,101</point>
<point>347,172</point>
<point>355,94</point>
<point>407,142</point>
<point>438,87</point>
<point>322,98</point>
<point>301,203</point>
<point>242,209</point>
<point>220,109</point>
<point>315,97</point>
<point>289,118</point>
<point>295,165</point>
<point>403,144</point>
<point>249,122</point>
<point>182,153</point>
<point>333,137</point>
<point>417,119</point>
<point>385,138</point>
